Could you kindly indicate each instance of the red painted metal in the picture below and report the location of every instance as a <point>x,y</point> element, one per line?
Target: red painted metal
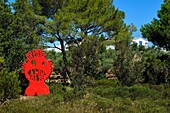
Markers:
<point>37,69</point>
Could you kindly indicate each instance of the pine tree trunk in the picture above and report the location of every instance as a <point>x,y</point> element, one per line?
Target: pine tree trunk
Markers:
<point>66,72</point>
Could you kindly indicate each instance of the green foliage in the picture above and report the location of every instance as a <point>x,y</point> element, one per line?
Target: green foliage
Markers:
<point>9,83</point>
<point>97,24</point>
<point>85,61</point>
<point>105,83</point>
<point>157,66</point>
<point>107,58</point>
<point>112,89</point>
<point>142,65</point>
<point>56,59</point>
<point>158,30</point>
<point>80,17</point>
<point>137,98</point>
<point>72,21</point>
<point>139,92</point>
<point>122,64</point>
<point>18,33</point>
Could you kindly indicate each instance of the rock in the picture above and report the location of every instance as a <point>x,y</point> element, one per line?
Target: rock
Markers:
<point>27,97</point>
<point>110,75</point>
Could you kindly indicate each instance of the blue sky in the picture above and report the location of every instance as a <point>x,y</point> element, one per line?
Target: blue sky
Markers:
<point>138,12</point>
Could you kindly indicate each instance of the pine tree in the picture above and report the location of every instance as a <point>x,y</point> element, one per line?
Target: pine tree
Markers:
<point>158,31</point>
<point>74,20</point>
<point>18,32</point>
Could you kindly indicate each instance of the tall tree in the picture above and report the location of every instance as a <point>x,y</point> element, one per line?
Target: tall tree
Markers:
<point>158,31</point>
<point>77,19</point>
<point>122,63</point>
<point>18,33</point>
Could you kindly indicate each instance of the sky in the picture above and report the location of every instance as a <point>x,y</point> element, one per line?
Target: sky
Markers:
<point>138,12</point>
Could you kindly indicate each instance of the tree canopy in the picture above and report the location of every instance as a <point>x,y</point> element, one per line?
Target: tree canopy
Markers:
<point>158,31</point>
<point>18,32</point>
<point>71,21</point>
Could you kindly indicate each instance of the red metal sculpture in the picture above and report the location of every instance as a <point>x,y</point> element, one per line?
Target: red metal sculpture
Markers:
<point>37,69</point>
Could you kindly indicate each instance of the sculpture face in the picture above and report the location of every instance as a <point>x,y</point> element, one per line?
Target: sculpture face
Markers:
<point>37,69</point>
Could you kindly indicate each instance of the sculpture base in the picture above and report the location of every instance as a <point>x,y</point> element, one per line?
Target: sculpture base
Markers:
<point>37,89</point>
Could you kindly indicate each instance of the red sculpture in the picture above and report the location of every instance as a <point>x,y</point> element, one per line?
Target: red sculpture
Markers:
<point>37,69</point>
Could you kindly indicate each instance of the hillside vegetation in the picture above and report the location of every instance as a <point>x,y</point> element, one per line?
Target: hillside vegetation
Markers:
<point>103,96</point>
<point>128,78</point>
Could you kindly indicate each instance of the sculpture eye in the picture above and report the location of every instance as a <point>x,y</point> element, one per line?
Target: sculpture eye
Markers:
<point>43,63</point>
<point>33,62</point>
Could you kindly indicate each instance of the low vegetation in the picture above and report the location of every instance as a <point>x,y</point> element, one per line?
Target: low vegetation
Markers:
<point>104,96</point>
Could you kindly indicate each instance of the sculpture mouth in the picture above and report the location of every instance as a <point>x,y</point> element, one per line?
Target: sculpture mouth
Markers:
<point>37,75</point>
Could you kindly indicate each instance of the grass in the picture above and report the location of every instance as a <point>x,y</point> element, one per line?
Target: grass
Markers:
<point>105,96</point>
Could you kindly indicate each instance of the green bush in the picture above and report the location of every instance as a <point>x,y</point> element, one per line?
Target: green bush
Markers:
<point>162,89</point>
<point>112,89</point>
<point>147,105</point>
<point>74,94</point>
<point>9,83</point>
<point>107,58</point>
<point>84,62</point>
<point>113,99</point>
<point>156,64</point>
<point>140,91</point>
<point>56,88</point>
<point>142,65</point>
<point>106,83</point>
<point>109,89</point>
<point>103,104</point>
<point>66,92</point>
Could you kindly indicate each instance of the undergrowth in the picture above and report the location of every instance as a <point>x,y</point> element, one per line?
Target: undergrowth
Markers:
<point>103,96</point>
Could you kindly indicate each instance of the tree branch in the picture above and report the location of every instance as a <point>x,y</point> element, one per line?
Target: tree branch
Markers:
<point>75,41</point>
<point>56,47</point>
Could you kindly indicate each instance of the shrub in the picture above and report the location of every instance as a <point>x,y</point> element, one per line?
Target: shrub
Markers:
<point>9,83</point>
<point>107,83</point>
<point>84,62</point>
<point>142,65</point>
<point>140,91</point>
<point>157,65</point>
<point>118,99</point>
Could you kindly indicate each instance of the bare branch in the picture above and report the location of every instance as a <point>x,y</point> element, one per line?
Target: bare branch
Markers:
<point>57,47</point>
